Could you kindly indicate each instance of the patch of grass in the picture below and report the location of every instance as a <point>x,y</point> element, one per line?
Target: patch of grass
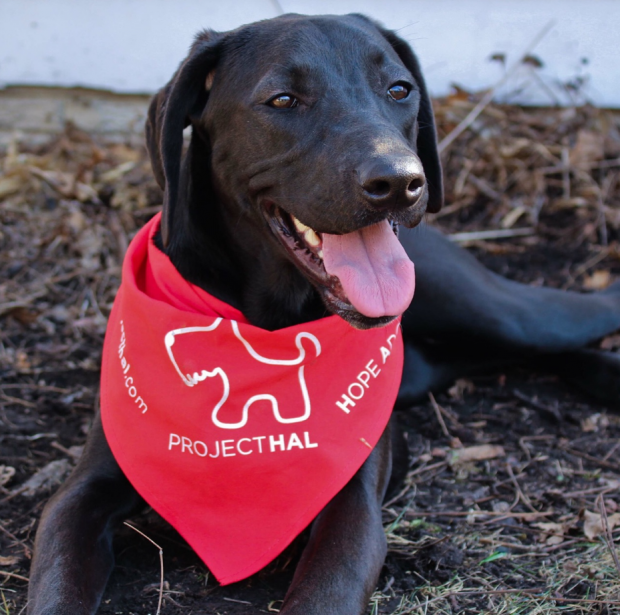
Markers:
<point>579,581</point>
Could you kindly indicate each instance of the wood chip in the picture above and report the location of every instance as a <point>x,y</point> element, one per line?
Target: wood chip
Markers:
<point>481,452</point>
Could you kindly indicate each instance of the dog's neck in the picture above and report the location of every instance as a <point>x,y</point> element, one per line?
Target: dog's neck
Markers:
<point>229,258</point>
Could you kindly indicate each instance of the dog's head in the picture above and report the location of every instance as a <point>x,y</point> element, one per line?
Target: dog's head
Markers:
<point>313,138</point>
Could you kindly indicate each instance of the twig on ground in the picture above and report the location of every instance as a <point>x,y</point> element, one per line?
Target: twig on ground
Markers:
<point>583,492</point>
<point>566,172</point>
<point>608,535</point>
<point>594,460</point>
<point>595,260</point>
<point>397,497</point>
<point>237,601</point>
<point>15,576</point>
<point>495,234</point>
<point>433,466</point>
<point>24,302</point>
<point>16,400</point>
<point>25,547</point>
<point>438,413</point>
<point>520,495</point>
<point>551,410</point>
<point>161,564</point>
<point>481,513</point>
<point>611,451</point>
<point>454,207</point>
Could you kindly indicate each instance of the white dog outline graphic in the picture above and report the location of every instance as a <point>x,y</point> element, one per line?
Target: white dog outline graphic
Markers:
<point>193,379</point>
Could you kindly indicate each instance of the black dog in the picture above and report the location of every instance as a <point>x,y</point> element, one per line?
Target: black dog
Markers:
<point>324,120</point>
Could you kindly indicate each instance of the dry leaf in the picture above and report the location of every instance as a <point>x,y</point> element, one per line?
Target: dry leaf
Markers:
<point>589,148</point>
<point>76,220</point>
<point>475,515</point>
<point>512,216</point>
<point>593,525</point>
<point>476,453</point>
<point>10,560</point>
<point>570,566</point>
<point>116,173</point>
<point>6,474</point>
<point>500,506</point>
<point>576,201</point>
<point>9,185</point>
<point>86,193</point>
<point>90,244</point>
<point>460,387</point>
<point>456,443</point>
<point>125,153</point>
<point>47,477</point>
<point>599,280</point>
<point>22,363</point>
<point>613,484</point>
<point>553,533</point>
<point>532,60</point>
<point>611,342</point>
<point>67,185</point>
<point>515,147</point>
<point>595,422</point>
<point>611,506</point>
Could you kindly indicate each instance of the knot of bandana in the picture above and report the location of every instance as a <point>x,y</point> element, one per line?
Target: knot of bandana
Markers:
<point>236,435</point>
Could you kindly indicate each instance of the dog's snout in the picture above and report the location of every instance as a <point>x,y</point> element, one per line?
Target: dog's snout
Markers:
<point>393,183</point>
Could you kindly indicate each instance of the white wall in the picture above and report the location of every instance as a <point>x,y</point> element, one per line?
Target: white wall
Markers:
<point>135,45</point>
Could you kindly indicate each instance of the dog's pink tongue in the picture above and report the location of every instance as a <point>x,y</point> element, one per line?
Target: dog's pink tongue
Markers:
<point>373,268</point>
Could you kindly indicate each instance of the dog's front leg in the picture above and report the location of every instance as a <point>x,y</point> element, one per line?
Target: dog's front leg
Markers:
<point>340,566</point>
<point>73,547</point>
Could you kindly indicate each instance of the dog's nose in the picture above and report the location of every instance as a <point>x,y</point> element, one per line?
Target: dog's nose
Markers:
<point>392,183</point>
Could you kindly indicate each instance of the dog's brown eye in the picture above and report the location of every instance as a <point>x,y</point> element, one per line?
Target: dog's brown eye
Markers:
<point>399,91</point>
<point>283,101</point>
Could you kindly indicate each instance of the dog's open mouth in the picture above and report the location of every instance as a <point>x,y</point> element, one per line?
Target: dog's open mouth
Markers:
<point>364,276</point>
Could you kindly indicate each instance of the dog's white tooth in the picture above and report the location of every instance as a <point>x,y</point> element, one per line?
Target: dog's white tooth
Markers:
<point>312,238</point>
<point>320,253</point>
<point>300,226</point>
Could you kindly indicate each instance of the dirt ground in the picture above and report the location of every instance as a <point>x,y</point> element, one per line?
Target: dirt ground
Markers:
<point>523,523</point>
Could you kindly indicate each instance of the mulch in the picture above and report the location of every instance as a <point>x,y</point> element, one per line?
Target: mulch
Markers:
<point>511,500</point>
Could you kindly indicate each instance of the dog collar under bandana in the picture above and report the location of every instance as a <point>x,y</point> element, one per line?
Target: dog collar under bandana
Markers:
<point>236,435</point>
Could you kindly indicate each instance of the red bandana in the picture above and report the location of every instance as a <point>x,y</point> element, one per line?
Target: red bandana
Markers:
<point>236,435</point>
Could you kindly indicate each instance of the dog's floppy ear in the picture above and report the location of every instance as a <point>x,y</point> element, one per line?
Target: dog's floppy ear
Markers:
<point>170,112</point>
<point>427,134</point>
